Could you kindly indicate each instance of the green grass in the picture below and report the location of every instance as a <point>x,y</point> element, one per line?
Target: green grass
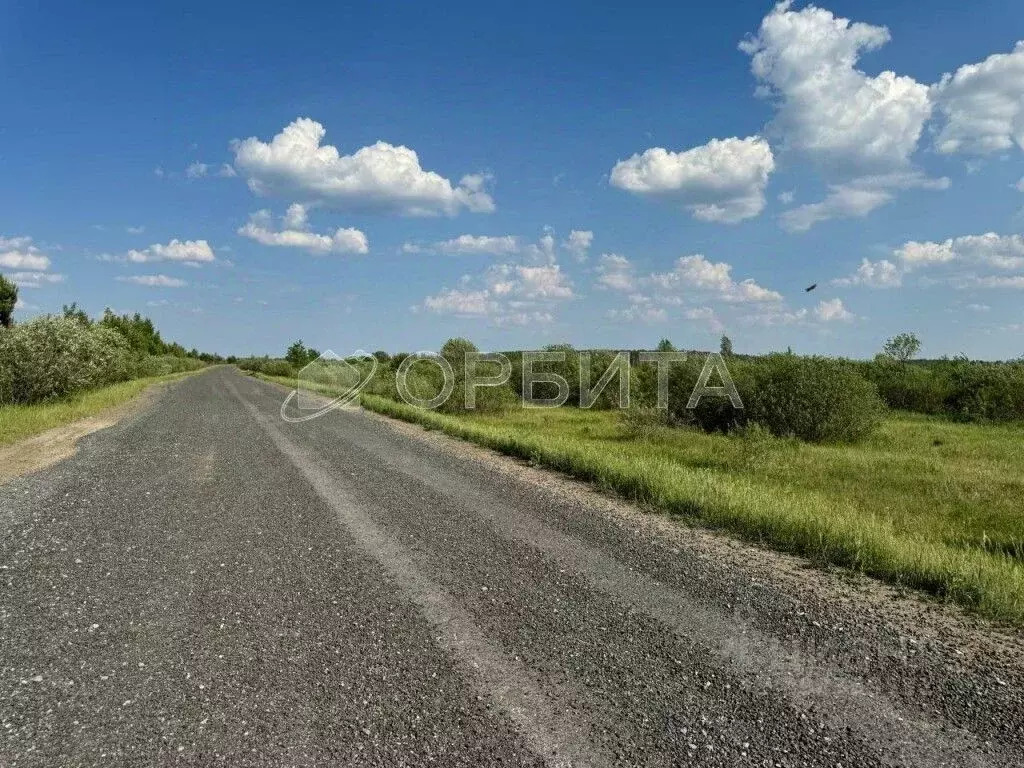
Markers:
<point>923,503</point>
<point>20,421</point>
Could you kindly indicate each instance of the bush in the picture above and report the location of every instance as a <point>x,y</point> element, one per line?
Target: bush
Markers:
<point>713,413</point>
<point>812,398</point>
<point>983,391</point>
<point>50,357</point>
<point>816,399</point>
<point>162,365</point>
<point>957,388</point>
<point>268,366</point>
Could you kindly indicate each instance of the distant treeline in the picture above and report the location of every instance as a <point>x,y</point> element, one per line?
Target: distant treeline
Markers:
<point>813,398</point>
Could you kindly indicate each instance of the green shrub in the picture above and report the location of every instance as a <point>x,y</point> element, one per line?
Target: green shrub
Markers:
<point>267,365</point>
<point>983,391</point>
<point>817,399</point>
<point>51,357</point>
<point>162,365</point>
<point>713,413</point>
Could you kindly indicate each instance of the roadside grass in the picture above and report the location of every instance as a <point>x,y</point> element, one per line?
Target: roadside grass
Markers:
<point>21,421</point>
<point>922,503</point>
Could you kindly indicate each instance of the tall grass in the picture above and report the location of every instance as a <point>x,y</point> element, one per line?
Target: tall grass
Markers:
<point>719,482</point>
<point>18,422</point>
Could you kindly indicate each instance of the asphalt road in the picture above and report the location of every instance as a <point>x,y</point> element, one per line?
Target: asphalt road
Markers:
<point>207,584</point>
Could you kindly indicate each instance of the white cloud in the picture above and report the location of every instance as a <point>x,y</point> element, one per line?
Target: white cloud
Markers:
<point>638,312</point>
<point>703,276</point>
<point>832,310</point>
<point>381,177</point>
<point>153,281</point>
<point>196,170</point>
<point>857,198</point>
<point>482,244</point>
<point>874,274</point>
<point>20,253</point>
<point>913,254</point>
<point>964,262</point>
<point>998,251</point>
<point>859,130</point>
<point>24,260</point>
<point>615,272</point>
<point>456,302</point>
<point>296,217</point>
<point>578,244</point>
<point>227,171</point>
<point>296,234</point>
<point>1020,184</point>
<point>34,279</point>
<point>135,230</point>
<point>529,282</point>
<point>507,294</point>
<point>723,180</point>
<point>192,252</point>
<point>827,109</point>
<point>983,105</point>
<point>705,315</point>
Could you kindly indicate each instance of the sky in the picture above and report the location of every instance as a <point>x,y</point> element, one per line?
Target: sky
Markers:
<point>388,175</point>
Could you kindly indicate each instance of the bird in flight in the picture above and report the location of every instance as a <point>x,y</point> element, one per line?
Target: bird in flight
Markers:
<point>810,288</point>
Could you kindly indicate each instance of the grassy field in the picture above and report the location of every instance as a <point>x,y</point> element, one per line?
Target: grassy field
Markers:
<point>923,503</point>
<point>20,421</point>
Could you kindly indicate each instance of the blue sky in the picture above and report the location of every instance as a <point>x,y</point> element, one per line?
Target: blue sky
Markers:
<point>390,175</point>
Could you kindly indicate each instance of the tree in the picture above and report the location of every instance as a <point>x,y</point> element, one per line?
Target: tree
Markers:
<point>297,354</point>
<point>74,312</point>
<point>666,346</point>
<point>902,347</point>
<point>8,300</point>
<point>726,347</point>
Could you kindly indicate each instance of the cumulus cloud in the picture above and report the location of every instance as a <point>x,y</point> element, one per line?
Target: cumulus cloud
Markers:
<point>192,252</point>
<point>982,105</point>
<point>483,244</point>
<point>543,251</point>
<point>859,130</point>
<point>856,199</point>
<point>874,274</point>
<point>578,244</point>
<point>638,313</point>
<point>153,281</point>
<point>20,253</point>
<point>705,315</point>
<point>696,274</point>
<point>24,260</point>
<point>965,262</point>
<point>34,279</point>
<point>459,302</point>
<point>381,177</point>
<point>827,109</point>
<point>991,250</point>
<point>615,272</point>
<point>196,170</point>
<point>296,234</point>
<point>723,180</point>
<point>832,310</point>
<point>506,294</point>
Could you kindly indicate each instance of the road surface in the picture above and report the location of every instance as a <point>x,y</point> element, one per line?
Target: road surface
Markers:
<point>207,584</point>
